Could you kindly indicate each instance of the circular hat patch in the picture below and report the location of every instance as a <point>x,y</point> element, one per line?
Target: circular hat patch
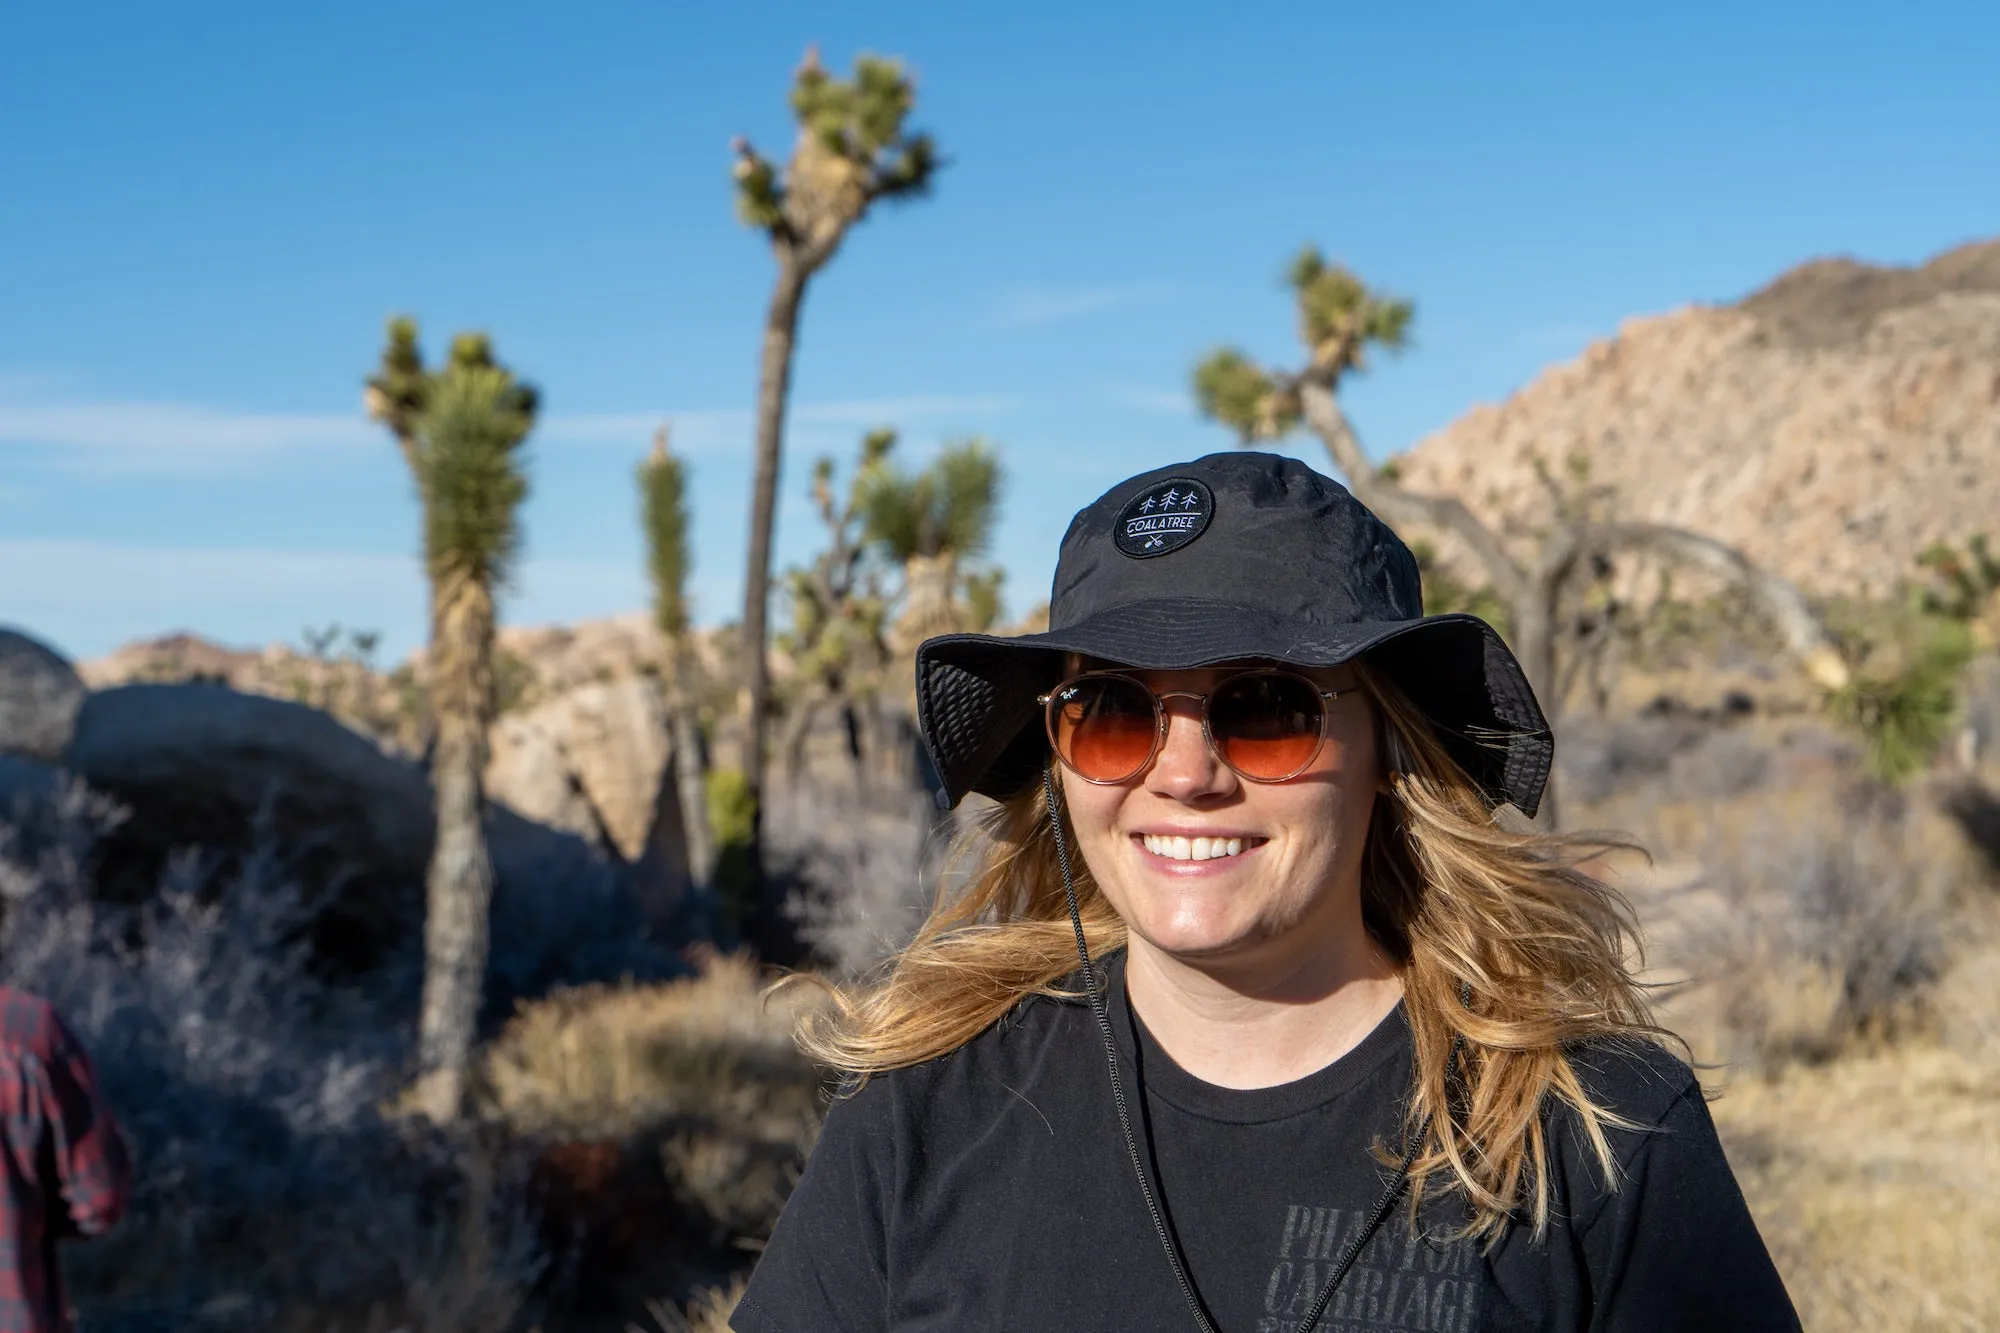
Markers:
<point>1164,517</point>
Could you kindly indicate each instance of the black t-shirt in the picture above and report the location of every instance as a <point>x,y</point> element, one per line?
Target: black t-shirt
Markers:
<point>990,1189</point>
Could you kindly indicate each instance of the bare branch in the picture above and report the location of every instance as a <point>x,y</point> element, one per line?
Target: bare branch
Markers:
<point>1780,602</point>
<point>1400,508</point>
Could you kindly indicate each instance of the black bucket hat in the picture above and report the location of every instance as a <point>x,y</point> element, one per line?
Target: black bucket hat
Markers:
<point>1236,555</point>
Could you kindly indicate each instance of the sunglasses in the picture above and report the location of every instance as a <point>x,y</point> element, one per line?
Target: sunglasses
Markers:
<point>1266,725</point>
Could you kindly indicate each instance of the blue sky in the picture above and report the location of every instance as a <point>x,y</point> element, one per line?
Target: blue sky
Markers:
<point>207,210</point>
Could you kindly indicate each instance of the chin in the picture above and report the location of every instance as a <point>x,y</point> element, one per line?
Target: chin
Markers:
<point>1193,935</point>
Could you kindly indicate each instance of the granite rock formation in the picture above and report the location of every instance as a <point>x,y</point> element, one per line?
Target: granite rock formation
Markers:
<point>1832,425</point>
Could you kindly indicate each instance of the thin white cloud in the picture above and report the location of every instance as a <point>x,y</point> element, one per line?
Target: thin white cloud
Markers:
<point>1035,306</point>
<point>180,439</point>
<point>89,596</point>
<point>171,438</point>
<point>46,568</point>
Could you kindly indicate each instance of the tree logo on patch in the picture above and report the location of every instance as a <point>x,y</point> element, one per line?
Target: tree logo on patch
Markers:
<point>1164,517</point>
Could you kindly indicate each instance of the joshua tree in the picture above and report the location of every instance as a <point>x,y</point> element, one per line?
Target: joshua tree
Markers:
<point>1340,321</point>
<point>837,613</point>
<point>664,514</point>
<point>929,523</point>
<point>852,150</point>
<point>461,430</point>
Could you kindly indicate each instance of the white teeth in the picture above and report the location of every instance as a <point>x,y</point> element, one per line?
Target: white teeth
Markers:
<point>1191,849</point>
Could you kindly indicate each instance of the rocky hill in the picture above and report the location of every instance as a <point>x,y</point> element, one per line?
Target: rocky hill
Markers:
<point>1831,425</point>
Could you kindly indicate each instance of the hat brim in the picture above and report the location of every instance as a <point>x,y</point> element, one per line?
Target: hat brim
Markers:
<point>978,694</point>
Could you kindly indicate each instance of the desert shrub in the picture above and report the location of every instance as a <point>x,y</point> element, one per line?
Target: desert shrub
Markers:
<point>1600,757</point>
<point>602,1059</point>
<point>674,1120</point>
<point>708,1312</point>
<point>1826,926</point>
<point>1670,752</point>
<point>269,1190</point>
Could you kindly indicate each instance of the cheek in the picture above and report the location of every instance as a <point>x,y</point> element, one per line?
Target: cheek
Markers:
<point>1342,802</point>
<point>1092,812</point>
<point>1352,755</point>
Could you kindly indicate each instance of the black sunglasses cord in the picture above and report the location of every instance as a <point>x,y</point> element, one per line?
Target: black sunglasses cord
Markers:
<point>1099,1008</point>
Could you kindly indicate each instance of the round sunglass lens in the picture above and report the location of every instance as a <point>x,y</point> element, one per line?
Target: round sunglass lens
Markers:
<point>1104,727</point>
<point>1266,725</point>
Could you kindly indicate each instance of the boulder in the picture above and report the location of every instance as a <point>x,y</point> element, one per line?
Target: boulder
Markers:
<point>202,765</point>
<point>589,760</point>
<point>25,781</point>
<point>594,760</point>
<point>39,696</point>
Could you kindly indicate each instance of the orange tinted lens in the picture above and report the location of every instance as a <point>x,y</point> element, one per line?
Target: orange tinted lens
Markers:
<point>1104,728</point>
<point>1267,726</point>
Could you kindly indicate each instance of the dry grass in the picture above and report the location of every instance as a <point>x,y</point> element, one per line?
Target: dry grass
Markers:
<point>1876,1182</point>
<point>672,1120</point>
<point>708,1312</point>
<point>608,1059</point>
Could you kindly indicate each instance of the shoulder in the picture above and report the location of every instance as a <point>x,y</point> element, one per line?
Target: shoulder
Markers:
<point>1633,1080</point>
<point>1008,1067</point>
<point>1651,1105</point>
<point>1666,1240</point>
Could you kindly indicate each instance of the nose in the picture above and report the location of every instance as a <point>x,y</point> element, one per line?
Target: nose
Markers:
<point>1187,767</point>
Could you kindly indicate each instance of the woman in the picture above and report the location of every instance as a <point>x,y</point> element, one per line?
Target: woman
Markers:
<point>1248,960</point>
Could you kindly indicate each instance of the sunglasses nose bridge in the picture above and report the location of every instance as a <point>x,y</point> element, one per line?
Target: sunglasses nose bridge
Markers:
<point>1164,713</point>
<point>1200,699</point>
<point>1186,758</point>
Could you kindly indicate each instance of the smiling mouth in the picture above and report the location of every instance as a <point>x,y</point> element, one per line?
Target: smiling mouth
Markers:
<point>1175,848</point>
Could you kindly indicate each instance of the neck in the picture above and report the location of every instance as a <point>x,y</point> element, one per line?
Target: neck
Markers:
<point>1259,1023</point>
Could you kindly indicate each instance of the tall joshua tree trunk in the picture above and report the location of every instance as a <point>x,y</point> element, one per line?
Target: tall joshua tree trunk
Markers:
<point>774,385</point>
<point>852,150</point>
<point>458,892</point>
<point>460,429</point>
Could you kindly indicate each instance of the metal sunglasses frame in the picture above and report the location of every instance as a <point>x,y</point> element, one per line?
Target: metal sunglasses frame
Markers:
<point>1050,700</point>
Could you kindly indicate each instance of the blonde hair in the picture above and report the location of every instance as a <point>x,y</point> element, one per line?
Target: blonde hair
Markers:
<point>1461,904</point>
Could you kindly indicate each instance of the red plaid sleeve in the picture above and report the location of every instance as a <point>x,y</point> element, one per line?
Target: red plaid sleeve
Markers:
<point>92,1168</point>
<point>65,1165</point>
